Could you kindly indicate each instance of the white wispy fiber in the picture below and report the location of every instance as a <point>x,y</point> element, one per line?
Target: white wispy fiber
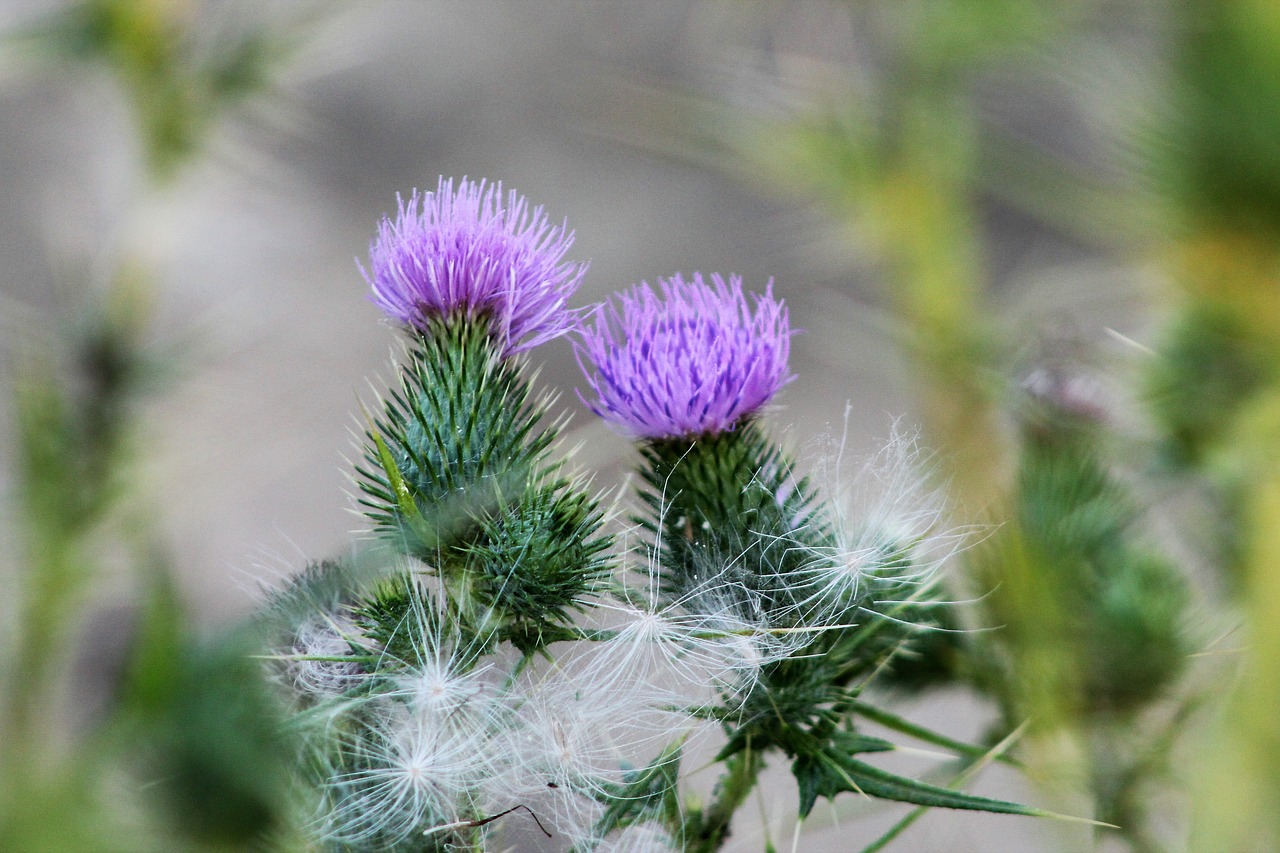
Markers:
<point>442,737</point>
<point>443,681</point>
<point>313,665</point>
<point>638,838</point>
<point>404,775</point>
<point>670,650</point>
<point>889,525</point>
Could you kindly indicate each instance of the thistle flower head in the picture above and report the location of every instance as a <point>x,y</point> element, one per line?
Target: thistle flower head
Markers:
<point>466,252</point>
<point>688,359</point>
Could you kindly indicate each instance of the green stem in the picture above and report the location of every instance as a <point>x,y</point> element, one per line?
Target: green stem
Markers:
<point>1118,781</point>
<point>55,583</point>
<point>712,827</point>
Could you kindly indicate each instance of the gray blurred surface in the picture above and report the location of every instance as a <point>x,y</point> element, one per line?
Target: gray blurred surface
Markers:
<point>255,250</point>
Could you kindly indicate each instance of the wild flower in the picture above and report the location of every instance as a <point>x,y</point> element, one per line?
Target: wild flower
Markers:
<point>466,251</point>
<point>692,358</point>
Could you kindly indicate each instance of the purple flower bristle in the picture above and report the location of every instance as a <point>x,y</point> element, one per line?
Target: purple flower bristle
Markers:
<point>694,359</point>
<point>465,252</point>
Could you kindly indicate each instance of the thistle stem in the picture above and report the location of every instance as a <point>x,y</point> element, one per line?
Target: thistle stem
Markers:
<point>742,770</point>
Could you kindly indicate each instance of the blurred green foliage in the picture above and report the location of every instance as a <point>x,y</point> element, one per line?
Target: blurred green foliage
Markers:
<point>178,79</point>
<point>1224,163</point>
<point>187,755</point>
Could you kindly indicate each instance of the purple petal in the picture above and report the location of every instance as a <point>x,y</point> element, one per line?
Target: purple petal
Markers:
<point>694,360</point>
<point>465,252</point>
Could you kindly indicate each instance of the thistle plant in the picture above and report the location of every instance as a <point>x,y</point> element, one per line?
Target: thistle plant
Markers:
<point>510,661</point>
<point>500,663</point>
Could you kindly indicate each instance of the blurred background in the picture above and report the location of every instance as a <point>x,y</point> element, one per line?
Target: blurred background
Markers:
<point>970,207</point>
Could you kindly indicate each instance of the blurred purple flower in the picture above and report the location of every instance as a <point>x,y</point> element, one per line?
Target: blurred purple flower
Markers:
<point>465,252</point>
<point>694,360</point>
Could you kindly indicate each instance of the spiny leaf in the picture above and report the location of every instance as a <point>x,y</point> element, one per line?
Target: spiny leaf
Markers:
<point>647,794</point>
<point>972,767</point>
<point>906,727</point>
<point>828,773</point>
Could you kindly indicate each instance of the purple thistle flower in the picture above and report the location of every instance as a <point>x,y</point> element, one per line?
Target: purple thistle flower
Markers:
<point>691,361</point>
<point>463,252</point>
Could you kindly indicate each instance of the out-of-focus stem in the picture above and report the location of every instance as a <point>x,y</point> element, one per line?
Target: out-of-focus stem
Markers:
<point>1238,788</point>
<point>924,216</point>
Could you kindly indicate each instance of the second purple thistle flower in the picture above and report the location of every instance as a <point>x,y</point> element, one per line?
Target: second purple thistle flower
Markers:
<point>692,358</point>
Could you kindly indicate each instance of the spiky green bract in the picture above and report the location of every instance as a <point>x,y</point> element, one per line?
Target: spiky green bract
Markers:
<point>535,561</point>
<point>736,525</point>
<point>309,623</point>
<point>737,528</point>
<point>458,474</point>
<point>726,509</point>
<point>464,437</point>
<point>403,621</point>
<point>933,655</point>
